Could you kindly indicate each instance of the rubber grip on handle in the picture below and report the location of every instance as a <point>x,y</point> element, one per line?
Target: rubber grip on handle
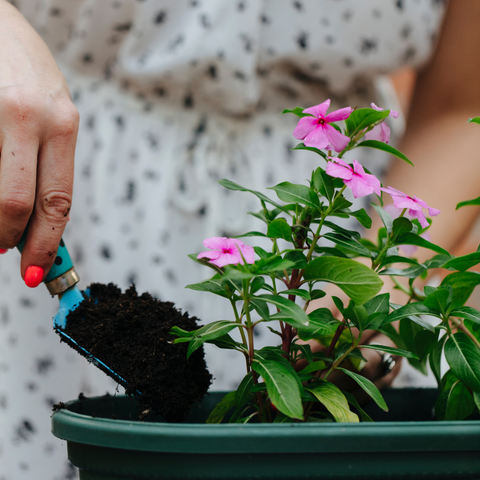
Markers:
<point>63,263</point>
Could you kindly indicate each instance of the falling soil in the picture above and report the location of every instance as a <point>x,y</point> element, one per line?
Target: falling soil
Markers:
<point>129,333</point>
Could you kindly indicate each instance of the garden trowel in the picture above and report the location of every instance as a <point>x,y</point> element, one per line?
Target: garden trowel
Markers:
<point>62,280</point>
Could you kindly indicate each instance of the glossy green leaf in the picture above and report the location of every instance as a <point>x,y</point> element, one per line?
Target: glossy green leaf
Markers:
<point>425,341</point>
<point>468,313</point>
<point>391,350</point>
<point>411,311</point>
<point>273,264</point>
<point>290,312</point>
<point>363,217</point>
<point>349,244</point>
<point>441,405</point>
<point>251,234</point>
<point>386,148</point>
<point>463,356</point>
<point>321,324</point>
<point>359,282</point>
<point>468,203</point>
<point>314,367</point>
<point>368,386</point>
<point>334,400</point>
<point>209,332</point>
<point>213,286</point>
<point>401,226</point>
<point>362,118</point>
<point>414,239</point>
<point>297,292</point>
<point>279,228</point>
<point>282,383</point>
<point>460,403</point>
<point>357,314</point>
<point>222,408</point>
<point>295,193</point>
<point>226,342</point>
<point>440,299</point>
<point>474,120</point>
<point>298,111</point>
<point>353,401</point>
<point>298,258</point>
<point>435,359</point>
<point>463,284</point>
<point>464,262</point>
<point>410,272</point>
<point>234,186</point>
<point>242,395</point>
<point>301,146</point>
<point>323,183</point>
<point>437,261</point>
<point>385,217</point>
<point>261,308</point>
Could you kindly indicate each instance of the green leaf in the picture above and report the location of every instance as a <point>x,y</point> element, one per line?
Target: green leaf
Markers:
<point>401,226</point>
<point>464,262</point>
<point>380,303</point>
<point>469,313</point>
<point>362,118</point>
<point>209,332</point>
<point>349,244</point>
<point>410,272</point>
<point>368,386</point>
<point>460,403</point>
<point>301,146</point>
<point>222,408</point>
<point>235,274</point>
<point>273,264</point>
<point>216,286</point>
<point>435,359</point>
<point>398,259</point>
<point>291,192</point>
<point>386,148</point>
<point>313,367</point>
<point>391,350</point>
<point>357,314</point>
<point>257,284</point>
<point>297,292</point>
<point>290,312</point>
<point>282,383</point>
<point>474,120</point>
<point>463,284</point>
<point>440,299</point>
<point>414,239</point>
<point>279,228</point>
<point>226,342</point>
<point>333,399</point>
<point>468,203</point>
<point>437,261</point>
<point>242,395</point>
<point>321,324</point>
<point>298,111</point>
<point>234,186</point>
<point>251,234</point>
<point>441,405</point>
<point>261,308</point>
<point>463,356</point>
<point>298,258</point>
<point>425,342</point>
<point>363,217</point>
<point>180,332</point>
<point>358,281</point>
<point>385,217</point>
<point>410,311</point>
<point>323,183</point>
<point>353,401</point>
<point>476,398</point>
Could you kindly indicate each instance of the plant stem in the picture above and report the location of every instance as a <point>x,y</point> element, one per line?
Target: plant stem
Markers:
<point>459,324</point>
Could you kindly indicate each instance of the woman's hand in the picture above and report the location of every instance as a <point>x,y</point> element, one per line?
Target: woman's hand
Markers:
<point>38,132</point>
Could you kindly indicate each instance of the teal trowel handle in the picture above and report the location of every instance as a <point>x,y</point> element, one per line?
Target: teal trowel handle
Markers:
<point>62,275</point>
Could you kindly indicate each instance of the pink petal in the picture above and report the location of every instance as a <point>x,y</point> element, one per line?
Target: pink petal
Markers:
<point>358,169</point>
<point>433,212</point>
<point>211,255</point>
<point>337,115</point>
<point>408,250</point>
<point>358,186</point>
<point>421,217</point>
<point>375,107</point>
<point>392,210</point>
<point>318,110</point>
<point>216,243</point>
<point>316,138</point>
<point>226,259</point>
<point>339,171</point>
<point>374,182</point>
<point>304,127</point>
<point>381,133</point>
<point>393,191</point>
<point>394,113</point>
<point>420,201</point>
<point>405,202</point>
<point>337,139</point>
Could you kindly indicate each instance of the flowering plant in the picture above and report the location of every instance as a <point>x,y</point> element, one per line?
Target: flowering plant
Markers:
<point>280,287</point>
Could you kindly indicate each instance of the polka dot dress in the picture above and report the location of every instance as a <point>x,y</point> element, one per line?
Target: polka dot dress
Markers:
<point>173,96</point>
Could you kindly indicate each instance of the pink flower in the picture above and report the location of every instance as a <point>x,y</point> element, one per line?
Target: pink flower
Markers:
<point>413,205</point>
<point>226,251</point>
<point>407,250</point>
<point>380,132</point>
<point>361,183</point>
<point>316,132</point>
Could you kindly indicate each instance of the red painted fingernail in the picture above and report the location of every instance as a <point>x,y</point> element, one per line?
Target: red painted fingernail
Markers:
<point>3,250</point>
<point>33,276</point>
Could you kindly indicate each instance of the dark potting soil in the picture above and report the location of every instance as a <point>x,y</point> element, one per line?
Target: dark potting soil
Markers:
<point>129,333</point>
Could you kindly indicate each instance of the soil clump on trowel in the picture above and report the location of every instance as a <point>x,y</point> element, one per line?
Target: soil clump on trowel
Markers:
<point>129,333</point>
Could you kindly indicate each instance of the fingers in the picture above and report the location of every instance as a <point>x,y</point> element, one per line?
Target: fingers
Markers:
<point>18,164</point>
<point>53,198</point>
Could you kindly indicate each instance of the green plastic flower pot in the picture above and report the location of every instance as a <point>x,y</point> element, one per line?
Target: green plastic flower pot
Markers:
<point>106,442</point>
